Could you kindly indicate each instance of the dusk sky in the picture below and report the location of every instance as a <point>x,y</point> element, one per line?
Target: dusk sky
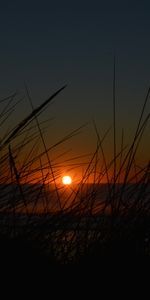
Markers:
<point>51,43</point>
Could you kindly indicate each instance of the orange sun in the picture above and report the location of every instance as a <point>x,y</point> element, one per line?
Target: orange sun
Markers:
<point>66,180</point>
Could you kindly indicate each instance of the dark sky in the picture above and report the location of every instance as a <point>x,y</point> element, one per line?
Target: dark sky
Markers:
<point>51,43</point>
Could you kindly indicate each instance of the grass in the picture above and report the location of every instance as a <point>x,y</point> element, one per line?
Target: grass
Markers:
<point>86,223</point>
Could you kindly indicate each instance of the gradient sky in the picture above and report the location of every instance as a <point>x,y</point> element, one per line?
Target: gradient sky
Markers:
<point>51,43</point>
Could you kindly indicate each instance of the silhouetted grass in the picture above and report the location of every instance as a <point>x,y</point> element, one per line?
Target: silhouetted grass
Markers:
<point>84,223</point>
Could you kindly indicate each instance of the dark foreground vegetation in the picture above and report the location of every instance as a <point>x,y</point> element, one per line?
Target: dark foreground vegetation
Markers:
<point>45,230</point>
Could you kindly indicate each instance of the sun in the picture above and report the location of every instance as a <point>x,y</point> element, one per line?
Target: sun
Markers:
<point>66,180</point>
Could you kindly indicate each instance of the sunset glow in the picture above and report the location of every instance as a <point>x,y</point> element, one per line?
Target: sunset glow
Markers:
<point>66,180</point>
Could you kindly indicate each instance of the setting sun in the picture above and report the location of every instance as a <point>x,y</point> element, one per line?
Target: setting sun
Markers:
<point>66,180</point>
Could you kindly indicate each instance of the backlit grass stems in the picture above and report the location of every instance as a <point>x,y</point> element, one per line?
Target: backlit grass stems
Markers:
<point>65,222</point>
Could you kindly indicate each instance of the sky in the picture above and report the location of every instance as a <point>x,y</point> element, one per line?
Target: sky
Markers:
<point>47,44</point>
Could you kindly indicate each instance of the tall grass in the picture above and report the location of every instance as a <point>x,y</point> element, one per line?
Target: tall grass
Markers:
<point>67,221</point>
